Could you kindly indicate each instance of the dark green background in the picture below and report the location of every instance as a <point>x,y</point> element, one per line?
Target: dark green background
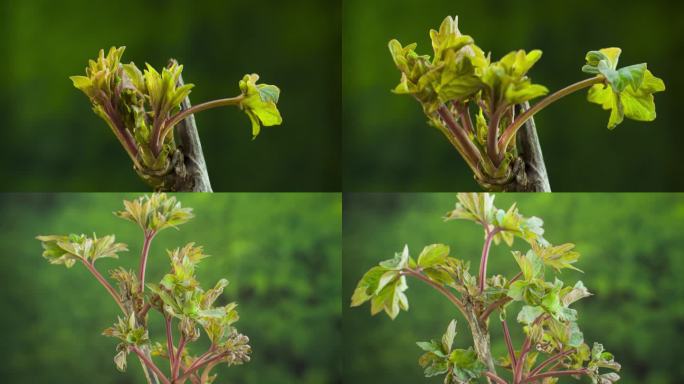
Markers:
<point>280,252</point>
<point>52,141</point>
<point>632,255</point>
<point>389,147</point>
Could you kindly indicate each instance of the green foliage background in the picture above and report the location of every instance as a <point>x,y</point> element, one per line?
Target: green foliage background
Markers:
<point>389,147</point>
<point>280,252</point>
<point>632,255</point>
<point>54,142</point>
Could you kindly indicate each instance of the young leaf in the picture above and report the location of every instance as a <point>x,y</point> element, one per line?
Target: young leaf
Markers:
<point>399,262</point>
<point>433,255</point>
<point>259,103</point>
<point>367,286</point>
<point>449,335</point>
<point>628,91</point>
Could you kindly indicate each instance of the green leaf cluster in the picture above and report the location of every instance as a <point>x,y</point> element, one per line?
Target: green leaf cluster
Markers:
<point>180,295</point>
<point>67,250</point>
<point>384,285</point>
<point>155,212</point>
<point>459,365</point>
<point>459,71</point>
<point>508,224</point>
<point>131,335</point>
<point>628,90</point>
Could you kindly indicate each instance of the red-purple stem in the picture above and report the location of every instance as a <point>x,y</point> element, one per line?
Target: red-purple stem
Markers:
<point>143,258</point>
<point>509,344</point>
<point>550,360</point>
<point>494,377</point>
<point>104,283</point>
<point>485,256</point>
<point>555,373</point>
<point>169,342</point>
<point>151,365</point>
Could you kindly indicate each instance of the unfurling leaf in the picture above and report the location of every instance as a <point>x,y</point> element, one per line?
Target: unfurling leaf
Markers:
<point>259,103</point>
<point>628,91</point>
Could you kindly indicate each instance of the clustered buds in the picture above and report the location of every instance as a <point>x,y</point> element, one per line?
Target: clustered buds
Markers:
<point>460,75</point>
<point>142,108</point>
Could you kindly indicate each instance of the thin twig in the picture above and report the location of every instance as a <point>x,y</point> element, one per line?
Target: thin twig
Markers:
<point>485,256</point>
<point>143,259</point>
<point>104,283</point>
<point>550,360</point>
<point>169,342</point>
<point>509,344</point>
<point>495,377</point>
<point>555,373</point>
<point>454,300</point>
<point>151,365</point>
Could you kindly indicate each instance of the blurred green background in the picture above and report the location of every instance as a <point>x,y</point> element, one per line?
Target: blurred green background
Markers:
<point>389,147</point>
<point>54,142</point>
<point>632,255</point>
<point>280,252</point>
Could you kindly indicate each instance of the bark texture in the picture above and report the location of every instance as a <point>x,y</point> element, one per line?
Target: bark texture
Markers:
<point>188,171</point>
<point>481,338</point>
<point>530,169</point>
<point>196,177</point>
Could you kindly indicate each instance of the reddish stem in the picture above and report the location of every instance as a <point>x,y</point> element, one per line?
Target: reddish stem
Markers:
<point>462,142</point>
<point>517,377</point>
<point>464,112</point>
<point>555,373</point>
<point>495,377</point>
<point>104,283</point>
<point>454,300</point>
<point>151,365</point>
<point>169,342</point>
<point>194,368</point>
<point>143,259</point>
<point>509,345</point>
<point>485,256</point>
<point>509,132</point>
<point>179,356</point>
<point>550,360</point>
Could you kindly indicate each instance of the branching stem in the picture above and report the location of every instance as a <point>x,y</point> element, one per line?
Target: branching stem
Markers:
<point>151,365</point>
<point>460,140</point>
<point>555,373</point>
<point>550,360</point>
<point>494,377</point>
<point>449,295</point>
